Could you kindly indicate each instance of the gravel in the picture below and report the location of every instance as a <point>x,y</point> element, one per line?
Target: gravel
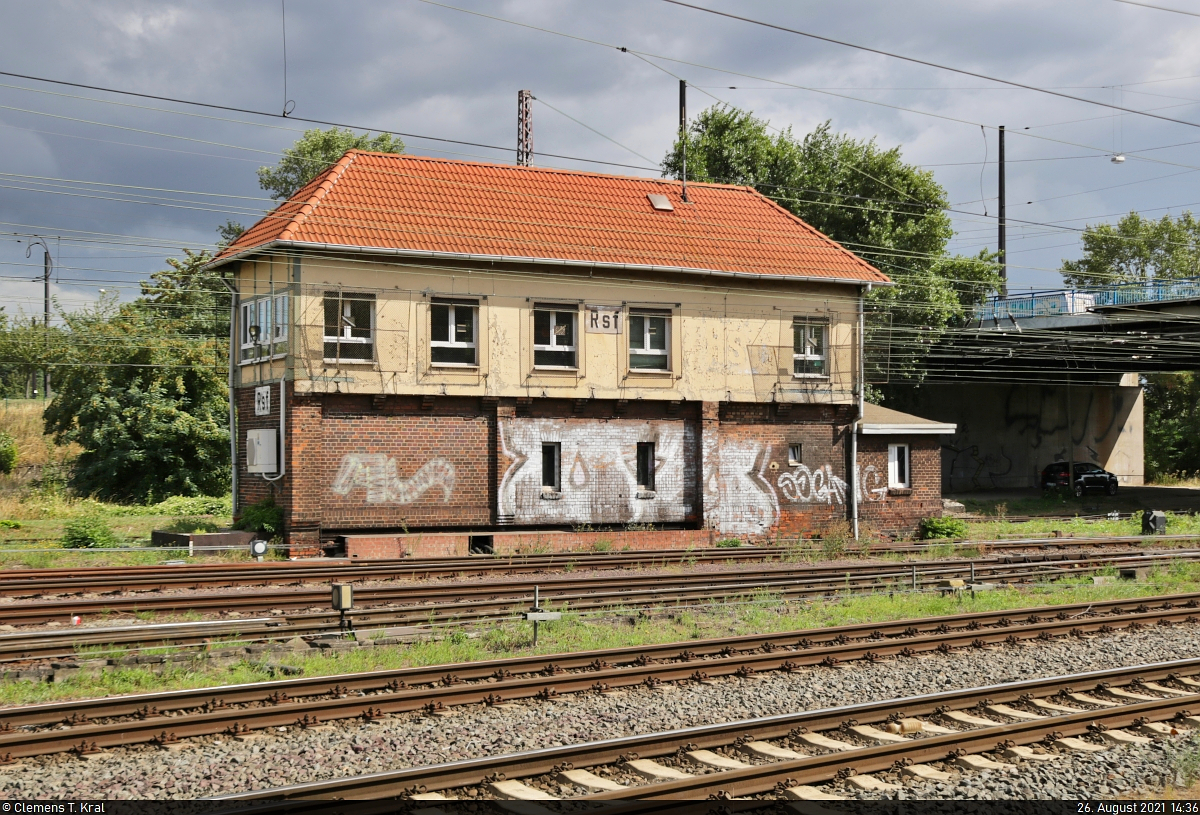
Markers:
<point>1116,772</point>
<point>214,765</point>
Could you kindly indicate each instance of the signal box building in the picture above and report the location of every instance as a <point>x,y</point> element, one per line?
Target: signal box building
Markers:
<point>431,356</point>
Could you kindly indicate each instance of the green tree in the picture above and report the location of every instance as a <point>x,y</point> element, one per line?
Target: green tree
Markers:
<point>143,389</point>
<point>229,231</point>
<point>27,347</point>
<point>1137,249</point>
<point>1172,404</point>
<point>315,151</point>
<point>890,213</point>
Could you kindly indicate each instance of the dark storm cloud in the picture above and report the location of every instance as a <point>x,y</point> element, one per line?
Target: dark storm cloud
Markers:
<point>413,67</point>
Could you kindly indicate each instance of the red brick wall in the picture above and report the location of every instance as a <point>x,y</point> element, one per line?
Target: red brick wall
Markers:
<point>382,466</point>
<point>900,511</point>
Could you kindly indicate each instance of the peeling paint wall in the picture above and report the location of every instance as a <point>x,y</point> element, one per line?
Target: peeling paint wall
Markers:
<point>598,479</point>
<point>731,342</point>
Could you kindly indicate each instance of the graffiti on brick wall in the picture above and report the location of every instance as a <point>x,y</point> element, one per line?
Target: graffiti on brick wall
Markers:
<point>738,496</point>
<point>597,472</point>
<point>872,484</point>
<point>821,486</point>
<point>376,473</point>
<point>818,486</point>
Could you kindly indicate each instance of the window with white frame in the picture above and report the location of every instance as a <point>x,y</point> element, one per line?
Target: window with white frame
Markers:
<point>795,455</point>
<point>554,337</point>
<point>454,332</point>
<point>264,327</point>
<point>649,341</point>
<point>349,326</point>
<point>899,476</point>
<point>810,347</point>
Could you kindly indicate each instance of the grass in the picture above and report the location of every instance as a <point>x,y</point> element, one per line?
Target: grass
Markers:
<point>758,614</point>
<point>1177,524</point>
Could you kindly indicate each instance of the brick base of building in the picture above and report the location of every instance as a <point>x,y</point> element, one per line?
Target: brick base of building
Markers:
<point>450,544</point>
<point>399,475</point>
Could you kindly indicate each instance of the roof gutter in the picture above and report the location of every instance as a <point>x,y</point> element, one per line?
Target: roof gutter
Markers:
<point>630,267</point>
<point>923,429</point>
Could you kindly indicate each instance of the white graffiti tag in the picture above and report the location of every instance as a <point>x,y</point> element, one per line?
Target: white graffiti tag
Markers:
<point>819,486</point>
<point>871,484</point>
<point>377,473</point>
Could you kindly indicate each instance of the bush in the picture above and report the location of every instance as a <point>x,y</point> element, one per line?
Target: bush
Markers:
<point>193,505</point>
<point>6,524</point>
<point>265,518</point>
<point>88,533</point>
<point>191,524</point>
<point>729,543</point>
<point>934,528</point>
<point>8,453</point>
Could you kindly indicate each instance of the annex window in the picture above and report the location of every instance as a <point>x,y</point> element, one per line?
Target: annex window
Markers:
<point>649,341</point>
<point>795,455</point>
<point>551,468</point>
<point>898,470</point>
<point>454,332</point>
<point>554,337</point>
<point>645,465</point>
<point>349,326</point>
<point>810,342</point>
<point>264,327</point>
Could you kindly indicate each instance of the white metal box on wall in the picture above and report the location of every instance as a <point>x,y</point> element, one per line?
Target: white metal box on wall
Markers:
<point>262,451</point>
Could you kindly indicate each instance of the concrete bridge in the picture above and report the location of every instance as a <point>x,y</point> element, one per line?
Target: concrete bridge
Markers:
<point>1053,376</point>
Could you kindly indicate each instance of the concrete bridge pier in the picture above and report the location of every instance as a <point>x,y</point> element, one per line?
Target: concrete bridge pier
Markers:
<point>1008,432</point>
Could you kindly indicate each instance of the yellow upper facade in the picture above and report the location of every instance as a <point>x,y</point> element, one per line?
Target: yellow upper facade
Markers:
<point>339,322</point>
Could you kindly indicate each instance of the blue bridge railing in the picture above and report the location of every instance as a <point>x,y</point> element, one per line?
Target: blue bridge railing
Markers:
<point>1081,301</point>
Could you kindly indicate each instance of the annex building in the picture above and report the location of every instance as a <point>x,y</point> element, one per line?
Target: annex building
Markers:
<point>430,355</point>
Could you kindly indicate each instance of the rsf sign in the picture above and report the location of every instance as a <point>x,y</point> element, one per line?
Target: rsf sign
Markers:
<point>603,320</point>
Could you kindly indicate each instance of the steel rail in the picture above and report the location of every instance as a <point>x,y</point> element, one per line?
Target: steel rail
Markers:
<point>502,595</point>
<point>14,581</point>
<point>763,778</point>
<point>23,731</point>
<point>28,582</point>
<point>63,643</point>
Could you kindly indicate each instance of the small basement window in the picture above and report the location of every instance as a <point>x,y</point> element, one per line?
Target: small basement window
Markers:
<point>551,469</point>
<point>645,465</point>
<point>795,455</point>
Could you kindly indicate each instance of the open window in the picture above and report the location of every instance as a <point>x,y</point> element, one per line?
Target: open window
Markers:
<point>454,332</point>
<point>899,475</point>
<point>649,341</point>
<point>264,327</point>
<point>349,327</point>
<point>795,455</point>
<point>810,344</point>
<point>554,337</point>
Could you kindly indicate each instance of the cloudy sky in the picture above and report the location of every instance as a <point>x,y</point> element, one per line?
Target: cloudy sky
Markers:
<point>116,183</point>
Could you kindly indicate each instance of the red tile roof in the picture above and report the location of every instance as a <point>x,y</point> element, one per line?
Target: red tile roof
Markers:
<point>425,205</point>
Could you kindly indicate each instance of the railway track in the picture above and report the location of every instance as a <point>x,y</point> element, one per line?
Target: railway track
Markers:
<point>162,718</point>
<point>476,602</point>
<point>81,580</point>
<point>786,756</point>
